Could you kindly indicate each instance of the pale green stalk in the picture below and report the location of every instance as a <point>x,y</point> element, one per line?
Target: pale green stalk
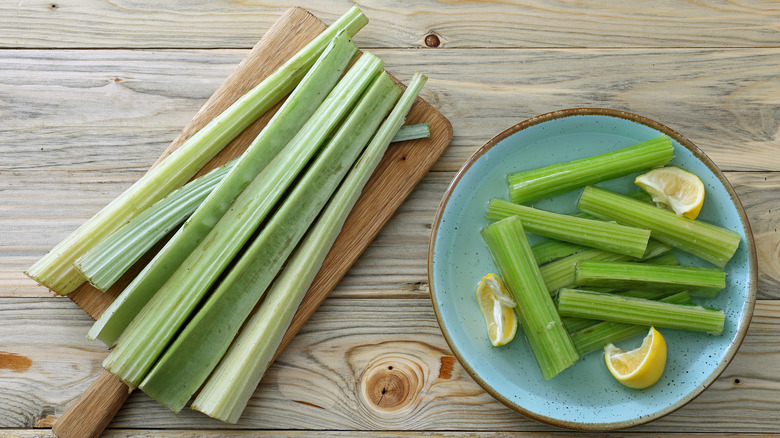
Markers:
<point>551,250</point>
<point>111,258</point>
<point>292,121</point>
<point>183,367</point>
<point>599,234</point>
<point>712,243</point>
<point>228,389</point>
<point>629,310</point>
<point>530,185</point>
<point>149,333</point>
<point>413,132</point>
<point>546,334</point>
<point>700,282</point>
<point>56,269</point>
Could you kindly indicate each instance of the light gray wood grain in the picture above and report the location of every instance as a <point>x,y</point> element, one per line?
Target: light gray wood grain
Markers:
<point>316,383</point>
<point>114,110</point>
<point>536,23</point>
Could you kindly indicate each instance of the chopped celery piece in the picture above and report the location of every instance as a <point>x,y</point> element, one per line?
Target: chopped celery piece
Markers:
<point>560,273</point>
<point>550,250</point>
<point>608,236</point>
<point>228,389</point>
<point>530,185</point>
<point>149,333</point>
<point>602,333</point>
<point>56,269</point>
<point>700,282</point>
<point>183,368</point>
<point>546,334</point>
<point>291,123</point>
<point>111,258</point>
<point>413,132</point>
<point>629,310</point>
<point>712,243</point>
<point>651,294</point>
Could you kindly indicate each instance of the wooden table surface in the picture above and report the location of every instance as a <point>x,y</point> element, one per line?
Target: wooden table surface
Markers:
<point>91,92</point>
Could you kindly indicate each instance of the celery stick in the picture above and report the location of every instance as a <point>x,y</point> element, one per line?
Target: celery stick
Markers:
<point>648,294</point>
<point>700,282</point>
<point>56,270</point>
<point>292,117</point>
<point>668,259</point>
<point>575,324</point>
<point>413,132</point>
<point>560,273</point>
<point>111,258</point>
<point>602,333</point>
<point>228,389</point>
<point>629,310</point>
<point>530,185</point>
<point>183,368</point>
<point>149,333</point>
<point>542,326</point>
<point>593,233</point>
<point>550,250</point>
<point>712,243</point>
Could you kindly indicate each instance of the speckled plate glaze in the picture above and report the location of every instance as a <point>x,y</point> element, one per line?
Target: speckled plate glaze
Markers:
<point>584,396</point>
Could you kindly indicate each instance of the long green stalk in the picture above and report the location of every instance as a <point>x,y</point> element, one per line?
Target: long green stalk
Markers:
<point>712,243</point>
<point>602,333</point>
<point>546,334</point>
<point>599,234</point>
<point>148,334</point>
<point>183,367</point>
<point>228,389</point>
<point>629,310</point>
<point>700,282</point>
<point>555,179</point>
<point>56,270</point>
<point>290,123</point>
<point>561,273</point>
<point>111,258</point>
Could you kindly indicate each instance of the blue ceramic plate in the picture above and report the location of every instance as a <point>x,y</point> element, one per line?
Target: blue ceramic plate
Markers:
<point>585,396</point>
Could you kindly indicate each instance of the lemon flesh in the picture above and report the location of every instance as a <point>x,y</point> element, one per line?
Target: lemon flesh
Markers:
<point>678,189</point>
<point>641,367</point>
<point>497,308</point>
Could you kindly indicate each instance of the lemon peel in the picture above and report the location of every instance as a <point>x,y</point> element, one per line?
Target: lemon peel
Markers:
<point>641,367</point>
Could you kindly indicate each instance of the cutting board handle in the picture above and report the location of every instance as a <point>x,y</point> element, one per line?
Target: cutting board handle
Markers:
<point>89,415</point>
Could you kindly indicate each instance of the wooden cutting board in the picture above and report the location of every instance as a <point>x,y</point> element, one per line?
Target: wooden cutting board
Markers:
<point>401,169</point>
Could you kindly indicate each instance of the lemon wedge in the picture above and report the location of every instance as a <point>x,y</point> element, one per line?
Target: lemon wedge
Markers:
<point>675,188</point>
<point>641,367</point>
<point>497,308</point>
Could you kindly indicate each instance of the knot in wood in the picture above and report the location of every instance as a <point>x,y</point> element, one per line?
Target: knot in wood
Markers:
<point>391,384</point>
<point>432,40</point>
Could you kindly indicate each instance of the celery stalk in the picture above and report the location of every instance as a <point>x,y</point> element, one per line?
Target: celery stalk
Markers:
<point>290,123</point>
<point>561,273</point>
<point>149,333</point>
<point>712,243</point>
<point>530,185</point>
<point>228,389</point>
<point>608,236</point>
<point>56,269</point>
<point>551,250</point>
<point>183,367</point>
<point>413,132</point>
<point>602,333</point>
<point>629,310</point>
<point>548,338</point>
<point>700,282</point>
<point>111,258</point>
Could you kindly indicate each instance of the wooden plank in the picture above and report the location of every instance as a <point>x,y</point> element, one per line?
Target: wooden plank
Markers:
<point>322,379</point>
<point>73,110</point>
<point>536,23</point>
<point>394,264</point>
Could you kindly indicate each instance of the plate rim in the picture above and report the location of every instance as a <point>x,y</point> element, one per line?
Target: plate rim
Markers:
<point>742,325</point>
